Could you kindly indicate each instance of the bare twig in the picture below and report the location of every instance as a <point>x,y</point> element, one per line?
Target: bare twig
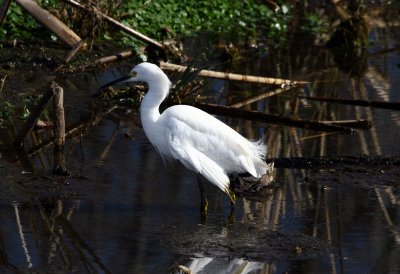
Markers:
<point>50,21</point>
<point>233,76</point>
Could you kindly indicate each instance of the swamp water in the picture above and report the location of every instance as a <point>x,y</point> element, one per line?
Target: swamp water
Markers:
<point>123,211</point>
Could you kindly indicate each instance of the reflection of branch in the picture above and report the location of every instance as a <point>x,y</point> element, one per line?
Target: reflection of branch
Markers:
<point>76,238</point>
<point>389,221</point>
<point>21,235</point>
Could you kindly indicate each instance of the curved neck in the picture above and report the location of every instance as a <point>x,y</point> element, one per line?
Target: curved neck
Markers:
<point>149,108</point>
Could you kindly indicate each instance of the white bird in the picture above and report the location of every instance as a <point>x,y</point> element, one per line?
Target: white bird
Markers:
<point>198,140</point>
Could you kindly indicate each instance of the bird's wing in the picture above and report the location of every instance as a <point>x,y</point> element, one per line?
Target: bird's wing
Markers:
<point>207,125</point>
<point>197,161</point>
<point>203,130</point>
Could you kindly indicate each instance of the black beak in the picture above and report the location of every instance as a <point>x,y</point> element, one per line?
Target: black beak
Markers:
<point>112,83</point>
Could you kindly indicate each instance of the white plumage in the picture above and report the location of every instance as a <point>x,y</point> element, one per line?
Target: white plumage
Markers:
<point>198,140</point>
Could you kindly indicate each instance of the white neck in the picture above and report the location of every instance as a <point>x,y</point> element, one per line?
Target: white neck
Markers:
<point>149,108</point>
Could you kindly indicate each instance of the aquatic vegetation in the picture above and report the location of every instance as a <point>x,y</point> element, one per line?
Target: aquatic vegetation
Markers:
<point>158,19</point>
<point>6,113</point>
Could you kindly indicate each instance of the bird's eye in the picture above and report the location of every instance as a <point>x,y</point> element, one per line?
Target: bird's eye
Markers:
<point>133,73</point>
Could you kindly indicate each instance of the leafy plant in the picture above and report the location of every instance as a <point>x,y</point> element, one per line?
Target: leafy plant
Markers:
<point>6,114</point>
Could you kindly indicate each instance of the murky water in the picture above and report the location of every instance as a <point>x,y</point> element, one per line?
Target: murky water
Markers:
<point>124,211</point>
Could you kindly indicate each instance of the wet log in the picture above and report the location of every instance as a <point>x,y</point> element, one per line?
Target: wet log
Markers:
<point>51,22</point>
<point>233,76</point>
<point>3,10</point>
<point>59,130</point>
<point>326,162</point>
<point>33,118</point>
<point>271,118</point>
<point>111,20</point>
<point>354,102</point>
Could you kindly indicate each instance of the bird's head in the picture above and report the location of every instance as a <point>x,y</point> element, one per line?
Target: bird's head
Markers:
<point>143,72</point>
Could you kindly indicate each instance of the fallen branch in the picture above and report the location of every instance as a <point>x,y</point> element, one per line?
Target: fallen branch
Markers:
<point>354,102</point>
<point>324,162</point>
<point>232,76</point>
<point>50,21</point>
<point>3,10</point>
<point>271,118</point>
<point>124,28</point>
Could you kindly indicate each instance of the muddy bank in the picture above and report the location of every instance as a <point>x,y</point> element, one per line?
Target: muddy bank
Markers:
<point>246,241</point>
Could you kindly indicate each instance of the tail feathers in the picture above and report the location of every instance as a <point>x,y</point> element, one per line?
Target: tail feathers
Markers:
<point>255,162</point>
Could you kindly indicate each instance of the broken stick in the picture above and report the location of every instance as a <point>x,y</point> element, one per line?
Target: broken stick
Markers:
<point>59,130</point>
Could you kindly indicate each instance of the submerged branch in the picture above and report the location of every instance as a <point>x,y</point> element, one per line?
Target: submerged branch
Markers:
<point>354,102</point>
<point>233,76</point>
<point>324,162</point>
<point>271,118</point>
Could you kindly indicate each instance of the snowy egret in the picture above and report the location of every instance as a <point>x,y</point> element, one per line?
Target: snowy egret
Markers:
<point>201,142</point>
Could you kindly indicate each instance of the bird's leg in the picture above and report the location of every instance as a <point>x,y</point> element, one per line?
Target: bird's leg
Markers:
<point>204,202</point>
<point>232,197</point>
